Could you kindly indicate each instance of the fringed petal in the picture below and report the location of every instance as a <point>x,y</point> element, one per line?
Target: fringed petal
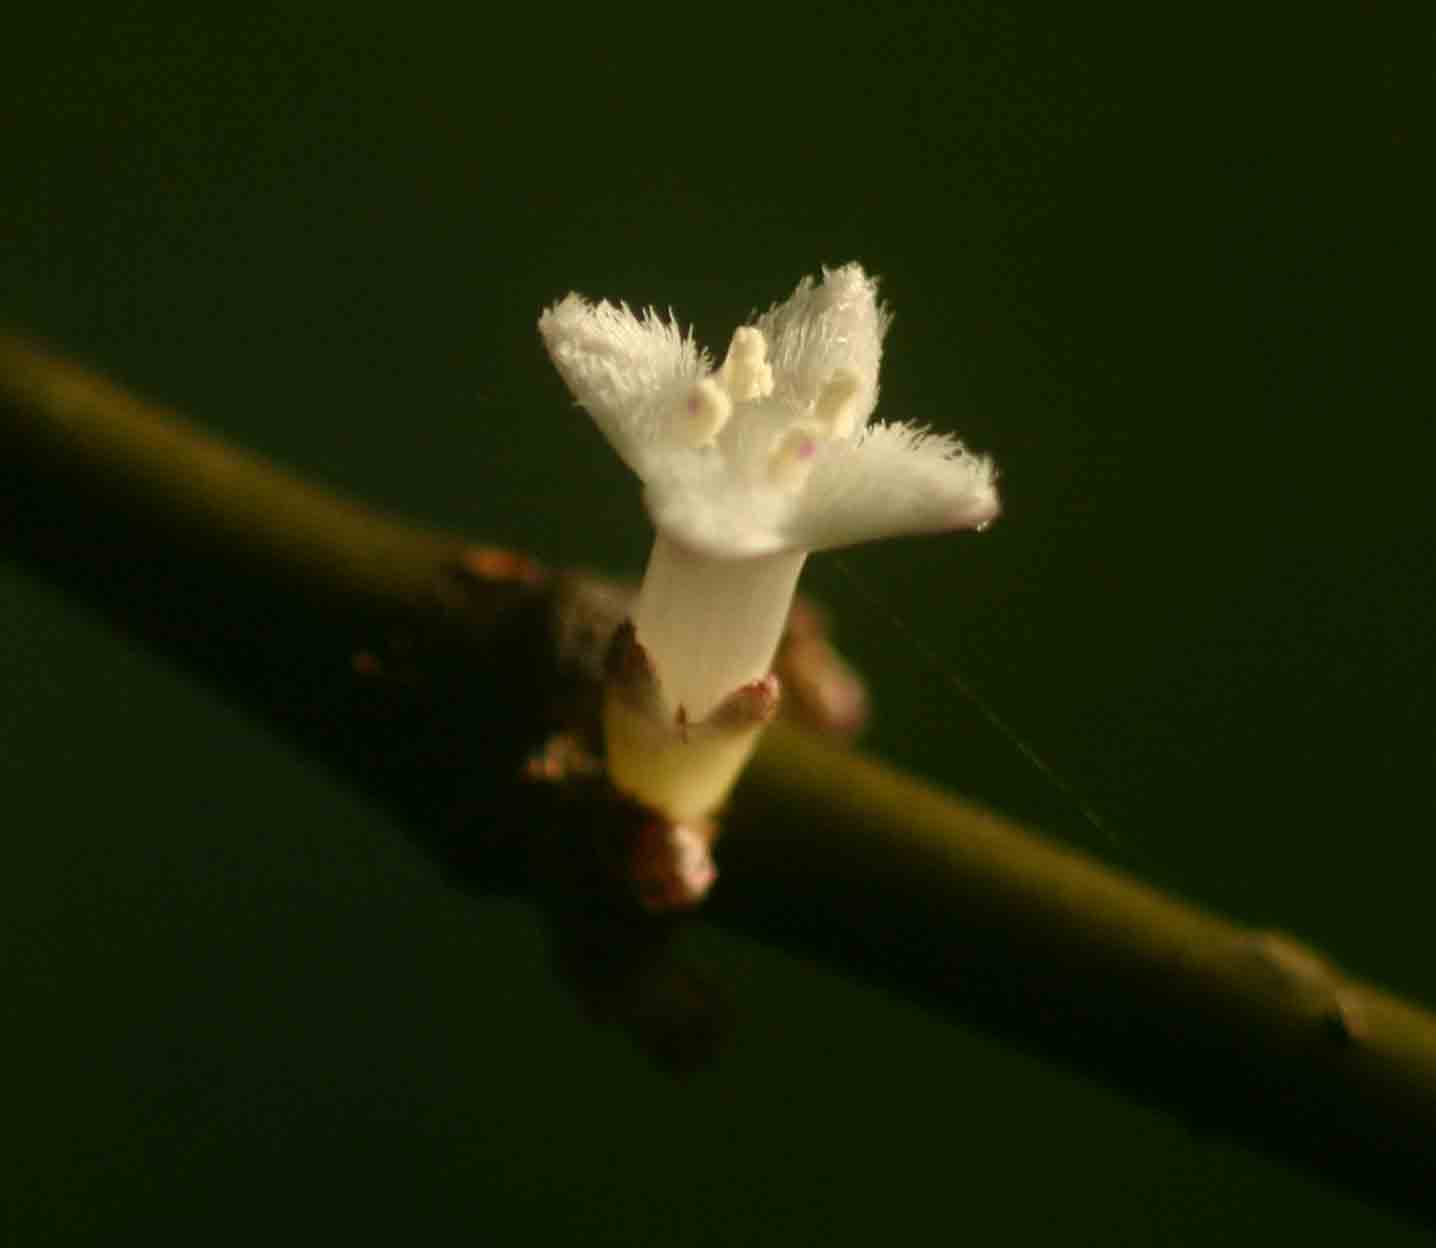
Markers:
<point>893,479</point>
<point>772,452</point>
<point>822,328</point>
<point>632,374</point>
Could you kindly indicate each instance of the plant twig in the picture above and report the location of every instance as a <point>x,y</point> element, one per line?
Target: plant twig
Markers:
<point>825,850</point>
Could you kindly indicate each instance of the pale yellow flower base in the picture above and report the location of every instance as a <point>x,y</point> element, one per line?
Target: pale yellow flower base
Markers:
<point>681,775</point>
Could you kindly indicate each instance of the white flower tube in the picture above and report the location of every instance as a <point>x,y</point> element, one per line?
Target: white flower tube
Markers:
<point>746,468</point>
<point>711,624</point>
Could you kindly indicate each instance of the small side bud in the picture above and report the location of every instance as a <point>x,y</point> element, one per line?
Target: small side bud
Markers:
<point>752,706</point>
<point>820,687</point>
<point>672,865</point>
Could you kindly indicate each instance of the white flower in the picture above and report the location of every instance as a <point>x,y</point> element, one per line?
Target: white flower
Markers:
<point>748,467</point>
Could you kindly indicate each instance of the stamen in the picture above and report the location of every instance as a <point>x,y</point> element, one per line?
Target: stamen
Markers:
<point>836,409</point>
<point>746,373</point>
<point>704,413</point>
<point>793,454</point>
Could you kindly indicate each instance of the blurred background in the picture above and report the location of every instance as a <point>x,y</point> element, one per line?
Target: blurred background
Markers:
<point>1172,271</point>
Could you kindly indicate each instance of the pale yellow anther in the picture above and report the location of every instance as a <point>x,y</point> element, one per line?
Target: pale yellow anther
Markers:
<point>793,454</point>
<point>705,412</point>
<point>746,373</point>
<point>836,409</point>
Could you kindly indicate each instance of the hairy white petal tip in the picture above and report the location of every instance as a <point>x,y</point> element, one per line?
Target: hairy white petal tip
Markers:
<point>980,510</point>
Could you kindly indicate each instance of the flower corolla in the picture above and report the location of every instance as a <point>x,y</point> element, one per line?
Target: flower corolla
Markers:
<point>749,465</point>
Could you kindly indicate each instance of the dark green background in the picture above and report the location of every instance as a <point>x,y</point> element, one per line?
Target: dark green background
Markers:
<point>1172,268</point>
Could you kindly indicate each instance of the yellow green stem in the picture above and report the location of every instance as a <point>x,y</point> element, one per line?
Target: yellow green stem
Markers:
<point>825,849</point>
